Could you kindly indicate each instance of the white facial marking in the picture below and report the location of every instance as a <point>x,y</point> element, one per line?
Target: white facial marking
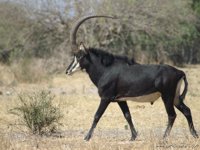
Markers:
<point>74,66</point>
<point>77,66</point>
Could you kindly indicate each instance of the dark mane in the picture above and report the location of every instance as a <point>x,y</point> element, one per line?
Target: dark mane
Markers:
<point>108,59</point>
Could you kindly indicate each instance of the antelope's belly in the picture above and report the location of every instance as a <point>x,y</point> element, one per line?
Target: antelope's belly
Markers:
<point>145,98</point>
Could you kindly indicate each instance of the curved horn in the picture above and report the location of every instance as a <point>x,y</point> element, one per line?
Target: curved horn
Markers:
<point>74,30</point>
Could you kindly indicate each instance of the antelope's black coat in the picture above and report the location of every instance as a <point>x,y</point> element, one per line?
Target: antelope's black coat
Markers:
<point>113,74</point>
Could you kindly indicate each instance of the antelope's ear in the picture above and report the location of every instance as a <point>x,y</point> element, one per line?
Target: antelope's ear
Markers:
<point>83,48</point>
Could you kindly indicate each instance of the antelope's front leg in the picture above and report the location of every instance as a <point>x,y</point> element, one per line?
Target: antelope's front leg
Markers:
<point>127,115</point>
<point>102,107</point>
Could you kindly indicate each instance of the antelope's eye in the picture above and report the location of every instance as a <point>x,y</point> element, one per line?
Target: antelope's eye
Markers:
<point>79,55</point>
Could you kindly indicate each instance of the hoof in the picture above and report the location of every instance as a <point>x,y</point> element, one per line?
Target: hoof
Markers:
<point>87,138</point>
<point>195,135</point>
<point>132,138</point>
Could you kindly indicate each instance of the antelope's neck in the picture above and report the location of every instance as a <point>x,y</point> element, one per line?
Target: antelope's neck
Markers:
<point>95,72</point>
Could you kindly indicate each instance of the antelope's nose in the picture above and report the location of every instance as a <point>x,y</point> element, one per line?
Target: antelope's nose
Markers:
<point>68,72</point>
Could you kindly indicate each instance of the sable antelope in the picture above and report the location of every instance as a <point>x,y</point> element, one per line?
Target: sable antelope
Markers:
<point>119,78</point>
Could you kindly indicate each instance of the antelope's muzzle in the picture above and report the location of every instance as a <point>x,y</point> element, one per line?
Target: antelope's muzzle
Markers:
<point>74,66</point>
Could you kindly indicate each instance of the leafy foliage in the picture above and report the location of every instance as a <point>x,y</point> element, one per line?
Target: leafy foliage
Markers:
<point>37,112</point>
<point>151,31</point>
<point>161,30</point>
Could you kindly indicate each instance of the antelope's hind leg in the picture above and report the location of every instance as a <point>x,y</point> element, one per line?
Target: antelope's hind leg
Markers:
<point>169,106</point>
<point>187,113</point>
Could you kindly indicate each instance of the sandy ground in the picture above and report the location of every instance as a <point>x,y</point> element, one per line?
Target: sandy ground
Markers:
<point>78,100</point>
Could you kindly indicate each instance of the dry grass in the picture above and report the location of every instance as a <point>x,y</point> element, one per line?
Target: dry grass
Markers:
<point>78,100</point>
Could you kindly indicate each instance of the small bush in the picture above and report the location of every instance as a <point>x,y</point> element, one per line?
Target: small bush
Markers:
<point>37,112</point>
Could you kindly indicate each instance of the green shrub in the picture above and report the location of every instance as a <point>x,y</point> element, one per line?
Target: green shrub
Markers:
<point>37,113</point>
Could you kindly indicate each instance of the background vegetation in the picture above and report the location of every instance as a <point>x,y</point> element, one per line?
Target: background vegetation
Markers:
<point>35,34</point>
